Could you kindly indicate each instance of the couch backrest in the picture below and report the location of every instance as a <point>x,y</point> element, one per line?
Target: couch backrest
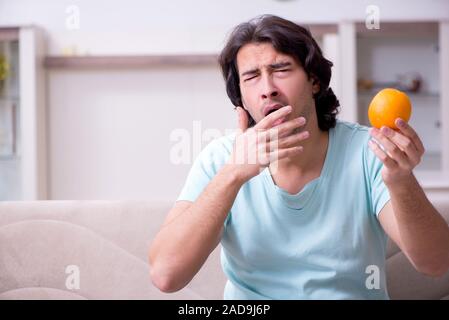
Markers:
<point>107,241</point>
<point>44,244</point>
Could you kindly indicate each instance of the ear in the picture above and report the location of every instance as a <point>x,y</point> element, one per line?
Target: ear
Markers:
<point>315,85</point>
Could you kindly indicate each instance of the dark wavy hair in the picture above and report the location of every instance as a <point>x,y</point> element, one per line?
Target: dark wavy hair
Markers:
<point>288,38</point>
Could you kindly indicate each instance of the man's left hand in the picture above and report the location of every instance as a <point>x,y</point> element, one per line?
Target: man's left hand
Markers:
<point>403,150</point>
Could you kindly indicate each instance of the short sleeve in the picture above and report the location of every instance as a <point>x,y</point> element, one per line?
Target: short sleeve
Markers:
<point>379,194</point>
<point>204,168</point>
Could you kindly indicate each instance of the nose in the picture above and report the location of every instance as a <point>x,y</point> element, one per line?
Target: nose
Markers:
<point>269,90</point>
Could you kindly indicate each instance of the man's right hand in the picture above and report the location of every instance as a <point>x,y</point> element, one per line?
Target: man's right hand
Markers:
<point>255,148</point>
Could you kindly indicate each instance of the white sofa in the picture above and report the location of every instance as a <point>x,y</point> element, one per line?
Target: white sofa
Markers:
<point>107,243</point>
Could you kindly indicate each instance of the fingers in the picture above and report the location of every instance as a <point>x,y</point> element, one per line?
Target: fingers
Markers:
<point>278,149</point>
<point>284,153</point>
<point>397,146</point>
<point>404,143</point>
<point>264,143</point>
<point>269,120</point>
<point>285,128</point>
<point>386,160</point>
<point>242,118</point>
<point>289,141</point>
<point>391,149</point>
<point>408,131</point>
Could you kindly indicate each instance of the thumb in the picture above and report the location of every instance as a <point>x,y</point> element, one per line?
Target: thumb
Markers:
<point>243,119</point>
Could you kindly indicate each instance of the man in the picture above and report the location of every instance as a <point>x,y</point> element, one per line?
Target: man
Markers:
<point>301,203</point>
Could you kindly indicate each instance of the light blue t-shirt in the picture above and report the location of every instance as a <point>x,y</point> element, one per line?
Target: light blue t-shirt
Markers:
<point>324,242</point>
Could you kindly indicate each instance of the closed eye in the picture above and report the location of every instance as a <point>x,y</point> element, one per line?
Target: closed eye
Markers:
<point>247,79</point>
<point>283,70</point>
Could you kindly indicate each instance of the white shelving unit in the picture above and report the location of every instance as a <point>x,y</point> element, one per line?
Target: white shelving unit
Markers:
<point>381,56</point>
<point>23,166</point>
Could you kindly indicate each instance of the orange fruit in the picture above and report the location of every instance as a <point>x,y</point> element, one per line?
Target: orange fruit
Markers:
<point>388,105</point>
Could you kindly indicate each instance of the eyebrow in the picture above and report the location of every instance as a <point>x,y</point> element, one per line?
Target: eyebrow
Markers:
<point>278,65</point>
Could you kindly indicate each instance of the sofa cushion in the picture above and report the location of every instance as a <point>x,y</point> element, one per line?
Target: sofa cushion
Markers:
<point>108,242</point>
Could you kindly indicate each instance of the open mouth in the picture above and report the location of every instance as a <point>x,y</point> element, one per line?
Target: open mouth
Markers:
<point>273,109</point>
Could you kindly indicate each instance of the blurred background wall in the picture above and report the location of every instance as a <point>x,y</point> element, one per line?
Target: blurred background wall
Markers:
<point>111,131</point>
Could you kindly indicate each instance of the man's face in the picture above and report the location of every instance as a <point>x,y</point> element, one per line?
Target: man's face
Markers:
<point>270,79</point>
